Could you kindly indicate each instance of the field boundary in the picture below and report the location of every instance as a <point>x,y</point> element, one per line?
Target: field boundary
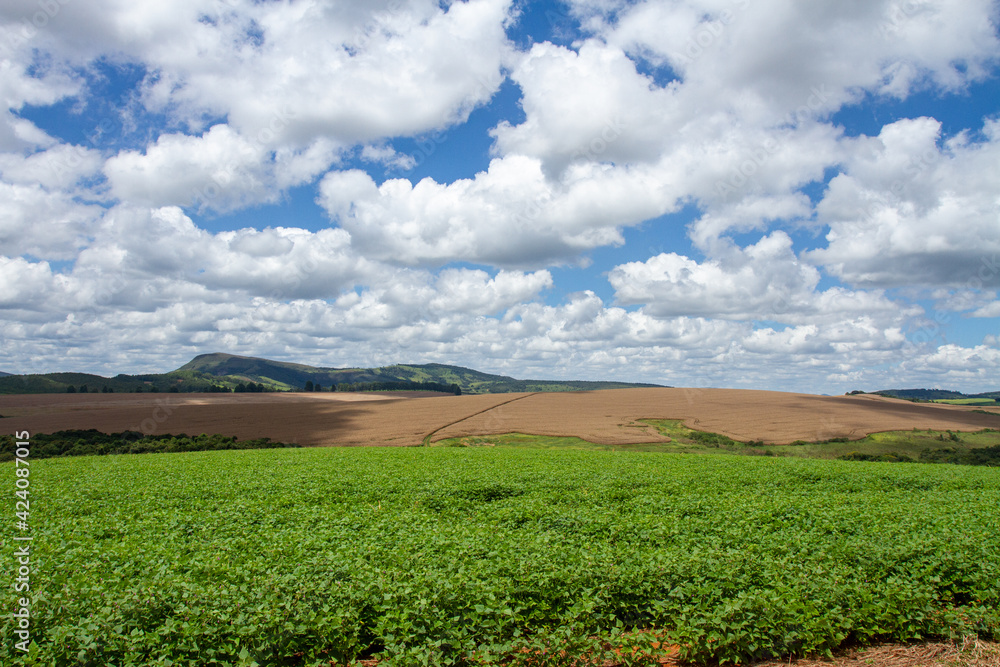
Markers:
<point>427,438</point>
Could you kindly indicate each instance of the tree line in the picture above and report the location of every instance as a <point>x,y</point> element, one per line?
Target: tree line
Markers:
<point>393,385</point>
<point>256,387</point>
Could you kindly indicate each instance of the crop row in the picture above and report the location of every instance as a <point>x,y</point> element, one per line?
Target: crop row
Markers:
<point>448,556</point>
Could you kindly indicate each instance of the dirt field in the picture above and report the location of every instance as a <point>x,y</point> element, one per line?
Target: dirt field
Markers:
<point>607,417</point>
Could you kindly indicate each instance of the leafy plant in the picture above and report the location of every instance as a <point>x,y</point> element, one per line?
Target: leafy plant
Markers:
<point>497,556</point>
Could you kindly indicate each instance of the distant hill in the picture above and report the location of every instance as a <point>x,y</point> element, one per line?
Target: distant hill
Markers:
<point>228,372</point>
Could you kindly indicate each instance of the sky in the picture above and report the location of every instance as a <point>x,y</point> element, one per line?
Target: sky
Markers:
<point>763,194</point>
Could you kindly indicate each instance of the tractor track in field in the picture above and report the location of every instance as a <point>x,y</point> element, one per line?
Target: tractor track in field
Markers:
<point>427,438</point>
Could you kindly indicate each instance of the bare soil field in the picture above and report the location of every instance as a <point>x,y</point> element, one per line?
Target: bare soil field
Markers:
<point>610,417</point>
<point>407,418</point>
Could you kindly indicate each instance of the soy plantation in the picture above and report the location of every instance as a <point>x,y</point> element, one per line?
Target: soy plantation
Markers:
<point>489,556</point>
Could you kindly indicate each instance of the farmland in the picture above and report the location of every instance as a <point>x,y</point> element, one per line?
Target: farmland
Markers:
<point>611,417</point>
<point>489,555</point>
<point>534,529</point>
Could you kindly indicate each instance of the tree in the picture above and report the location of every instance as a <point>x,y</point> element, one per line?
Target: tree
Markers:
<point>309,385</point>
<point>83,389</point>
<point>71,389</point>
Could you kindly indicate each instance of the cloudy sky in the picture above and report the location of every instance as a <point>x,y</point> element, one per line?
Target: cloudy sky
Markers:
<point>767,194</point>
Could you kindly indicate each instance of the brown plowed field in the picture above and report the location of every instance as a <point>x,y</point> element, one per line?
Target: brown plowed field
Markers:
<point>607,417</point>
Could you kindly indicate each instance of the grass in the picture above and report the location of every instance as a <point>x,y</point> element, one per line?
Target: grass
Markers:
<point>965,401</point>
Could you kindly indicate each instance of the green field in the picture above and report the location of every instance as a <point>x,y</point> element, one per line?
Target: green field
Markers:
<point>495,555</point>
<point>966,401</point>
<point>683,440</point>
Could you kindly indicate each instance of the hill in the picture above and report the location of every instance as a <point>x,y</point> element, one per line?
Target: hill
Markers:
<point>296,375</point>
<point>935,394</point>
<point>228,372</point>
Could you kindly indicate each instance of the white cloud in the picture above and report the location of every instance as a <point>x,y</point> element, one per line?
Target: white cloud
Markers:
<point>991,309</point>
<point>388,156</point>
<point>44,224</point>
<point>509,215</point>
<point>18,87</point>
<point>61,167</point>
<point>375,70</point>
<point>220,169</point>
<point>764,281</point>
<point>906,211</point>
<point>587,105</point>
<point>765,55</point>
<point>23,284</point>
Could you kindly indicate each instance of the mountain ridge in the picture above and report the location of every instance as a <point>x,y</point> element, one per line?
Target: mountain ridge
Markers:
<point>221,371</point>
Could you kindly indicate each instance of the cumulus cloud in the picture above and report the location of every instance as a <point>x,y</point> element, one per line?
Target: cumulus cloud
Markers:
<point>43,224</point>
<point>763,56</point>
<point>910,209</point>
<point>509,215</point>
<point>19,85</point>
<point>764,281</point>
<point>375,70</point>
<point>220,169</point>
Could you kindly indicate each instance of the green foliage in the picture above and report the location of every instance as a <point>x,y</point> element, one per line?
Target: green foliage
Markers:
<point>91,442</point>
<point>884,458</point>
<point>401,385</point>
<point>980,456</point>
<point>490,555</point>
<point>921,394</point>
<point>892,445</point>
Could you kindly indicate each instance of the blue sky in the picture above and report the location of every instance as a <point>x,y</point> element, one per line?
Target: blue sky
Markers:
<point>762,194</point>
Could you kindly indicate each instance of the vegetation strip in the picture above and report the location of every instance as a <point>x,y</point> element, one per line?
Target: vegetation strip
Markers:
<point>91,442</point>
<point>916,446</point>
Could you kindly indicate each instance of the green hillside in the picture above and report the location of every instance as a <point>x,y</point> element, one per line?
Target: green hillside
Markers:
<point>227,372</point>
